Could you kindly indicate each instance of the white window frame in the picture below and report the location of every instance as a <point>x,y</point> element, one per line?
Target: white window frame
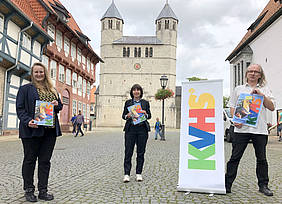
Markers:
<point>79,85</point>
<point>2,20</point>
<point>26,41</point>
<point>73,50</point>
<point>68,76</point>
<point>88,64</point>
<point>74,107</point>
<point>67,46</point>
<point>59,40</point>
<point>51,30</point>
<point>79,55</point>
<point>61,73</point>
<point>79,106</point>
<point>84,110</point>
<point>45,61</point>
<point>53,69</point>
<point>88,88</point>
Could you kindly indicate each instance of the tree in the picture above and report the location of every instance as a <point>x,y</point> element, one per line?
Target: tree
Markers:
<point>195,79</point>
<point>225,101</point>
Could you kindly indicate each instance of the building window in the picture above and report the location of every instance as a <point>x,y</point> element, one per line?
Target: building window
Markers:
<point>51,30</point>
<point>124,52</point>
<point>118,25</point>
<point>151,52</point>
<point>166,24</point>
<point>53,69</point>
<point>45,61</point>
<point>135,52</point>
<point>79,106</point>
<point>239,80</point>
<point>174,26</point>
<point>139,52</point>
<point>84,87</point>
<point>242,71</point>
<point>128,52</point>
<point>88,88</point>
<point>73,50</point>
<point>79,85</point>
<point>68,76</point>
<point>59,39</point>
<point>103,25</point>
<point>1,22</point>
<point>248,64</point>
<point>84,110</point>
<point>110,24</point>
<point>146,52</point>
<point>74,80</point>
<point>79,55</point>
<point>88,65</point>
<point>26,41</point>
<point>67,46</point>
<point>159,25</point>
<point>235,76</point>
<point>61,73</point>
<point>74,107</point>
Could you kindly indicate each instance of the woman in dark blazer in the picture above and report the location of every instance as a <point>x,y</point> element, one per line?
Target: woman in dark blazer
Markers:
<point>38,141</point>
<point>135,134</point>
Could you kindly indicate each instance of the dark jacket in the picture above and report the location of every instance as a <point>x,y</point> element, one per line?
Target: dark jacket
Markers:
<point>144,105</point>
<point>25,106</point>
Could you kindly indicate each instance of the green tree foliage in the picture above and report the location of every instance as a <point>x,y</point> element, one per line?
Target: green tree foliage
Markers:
<point>225,101</point>
<point>195,79</point>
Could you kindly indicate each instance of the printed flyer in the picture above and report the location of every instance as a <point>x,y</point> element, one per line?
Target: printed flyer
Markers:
<point>247,109</point>
<point>138,115</point>
<point>44,113</point>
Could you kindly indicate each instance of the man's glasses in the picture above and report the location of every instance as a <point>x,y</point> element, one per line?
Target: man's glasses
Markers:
<point>253,71</point>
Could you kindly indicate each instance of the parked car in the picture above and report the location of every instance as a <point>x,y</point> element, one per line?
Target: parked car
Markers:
<point>228,125</point>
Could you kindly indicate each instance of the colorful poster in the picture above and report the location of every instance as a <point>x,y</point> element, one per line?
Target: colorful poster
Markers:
<point>201,157</point>
<point>247,109</point>
<point>44,113</point>
<point>138,115</point>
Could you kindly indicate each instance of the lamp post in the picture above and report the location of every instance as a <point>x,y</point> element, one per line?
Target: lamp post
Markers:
<point>163,81</point>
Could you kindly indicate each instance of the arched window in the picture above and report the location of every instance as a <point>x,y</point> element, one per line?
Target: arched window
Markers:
<point>118,25</point>
<point>124,52</point>
<point>166,24</point>
<point>135,52</point>
<point>110,24</point>
<point>139,52</point>
<point>159,25</point>
<point>146,52</point>
<point>174,26</point>
<point>128,52</point>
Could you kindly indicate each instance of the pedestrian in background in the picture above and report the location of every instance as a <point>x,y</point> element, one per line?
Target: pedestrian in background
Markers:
<point>256,84</point>
<point>135,134</point>
<point>79,120</point>
<point>157,129</point>
<point>38,141</point>
<point>279,125</point>
<point>73,124</point>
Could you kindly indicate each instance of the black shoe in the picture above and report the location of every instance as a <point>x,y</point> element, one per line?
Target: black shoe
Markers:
<point>228,190</point>
<point>30,197</point>
<point>45,196</point>
<point>266,191</point>
<point>81,135</point>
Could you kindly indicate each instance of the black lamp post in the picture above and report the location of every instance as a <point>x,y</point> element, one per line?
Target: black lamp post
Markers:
<point>163,80</point>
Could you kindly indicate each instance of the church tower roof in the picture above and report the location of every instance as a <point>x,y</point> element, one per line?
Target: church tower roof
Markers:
<point>167,12</point>
<point>112,12</point>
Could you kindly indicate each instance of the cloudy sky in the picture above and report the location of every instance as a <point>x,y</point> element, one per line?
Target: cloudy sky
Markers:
<point>208,30</point>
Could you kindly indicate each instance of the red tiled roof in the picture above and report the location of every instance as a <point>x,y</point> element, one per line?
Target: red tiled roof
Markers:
<point>27,8</point>
<point>272,8</point>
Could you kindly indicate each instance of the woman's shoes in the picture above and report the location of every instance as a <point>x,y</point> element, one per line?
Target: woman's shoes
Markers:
<point>30,197</point>
<point>43,195</point>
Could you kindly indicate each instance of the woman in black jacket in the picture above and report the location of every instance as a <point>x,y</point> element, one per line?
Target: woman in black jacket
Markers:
<point>135,134</point>
<point>38,141</point>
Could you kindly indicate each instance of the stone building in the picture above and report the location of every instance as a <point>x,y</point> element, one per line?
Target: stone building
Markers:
<point>262,45</point>
<point>136,59</point>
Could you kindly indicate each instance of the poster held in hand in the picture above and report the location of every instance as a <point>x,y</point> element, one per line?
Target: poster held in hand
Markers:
<point>138,115</point>
<point>44,113</point>
<point>248,108</point>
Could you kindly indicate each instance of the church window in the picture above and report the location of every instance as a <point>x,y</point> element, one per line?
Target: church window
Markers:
<point>166,24</point>
<point>128,52</point>
<point>110,24</point>
<point>124,52</point>
<point>146,52</point>
<point>159,25</point>
<point>135,52</point>
<point>174,25</point>
<point>118,25</point>
<point>139,52</point>
<point>151,52</point>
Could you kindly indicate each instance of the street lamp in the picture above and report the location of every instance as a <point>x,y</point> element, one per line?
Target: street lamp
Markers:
<point>163,81</point>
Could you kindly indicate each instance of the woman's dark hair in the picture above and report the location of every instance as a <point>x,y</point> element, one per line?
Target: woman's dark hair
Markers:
<point>138,87</point>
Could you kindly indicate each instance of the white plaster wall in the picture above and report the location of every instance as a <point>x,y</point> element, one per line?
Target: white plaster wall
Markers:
<point>25,58</point>
<point>13,30</point>
<point>267,48</point>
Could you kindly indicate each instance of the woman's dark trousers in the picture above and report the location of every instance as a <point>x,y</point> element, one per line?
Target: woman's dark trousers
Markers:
<point>136,135</point>
<point>239,145</point>
<point>79,129</point>
<point>40,148</point>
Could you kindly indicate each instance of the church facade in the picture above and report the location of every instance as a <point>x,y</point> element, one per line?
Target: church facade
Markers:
<point>132,60</point>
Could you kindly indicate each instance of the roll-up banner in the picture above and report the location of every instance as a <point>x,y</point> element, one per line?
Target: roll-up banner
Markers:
<point>201,158</point>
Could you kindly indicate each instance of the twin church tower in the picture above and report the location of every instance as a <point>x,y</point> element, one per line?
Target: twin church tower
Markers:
<point>132,60</point>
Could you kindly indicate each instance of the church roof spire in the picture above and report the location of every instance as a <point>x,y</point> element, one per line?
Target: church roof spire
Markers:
<point>112,12</point>
<point>167,12</point>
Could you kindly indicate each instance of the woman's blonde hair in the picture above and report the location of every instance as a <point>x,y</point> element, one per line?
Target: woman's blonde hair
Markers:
<point>261,80</point>
<point>47,84</point>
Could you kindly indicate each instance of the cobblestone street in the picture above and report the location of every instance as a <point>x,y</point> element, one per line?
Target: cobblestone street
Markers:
<point>89,169</point>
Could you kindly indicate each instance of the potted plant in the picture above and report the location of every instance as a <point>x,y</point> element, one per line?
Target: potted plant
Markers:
<point>163,94</point>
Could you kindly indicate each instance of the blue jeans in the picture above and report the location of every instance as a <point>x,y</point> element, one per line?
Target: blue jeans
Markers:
<point>156,133</point>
